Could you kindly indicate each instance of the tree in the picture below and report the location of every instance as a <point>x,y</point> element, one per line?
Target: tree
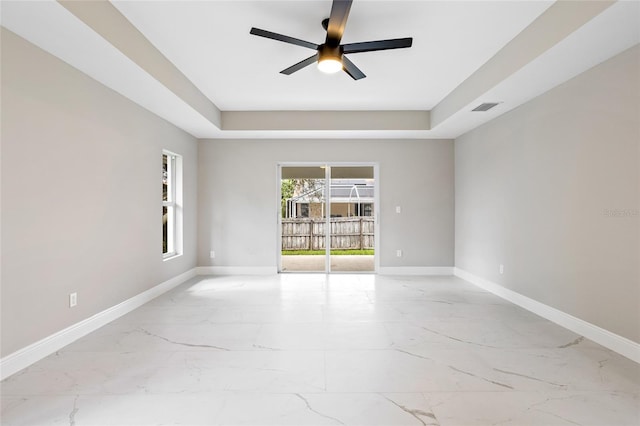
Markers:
<point>310,188</point>
<point>287,190</point>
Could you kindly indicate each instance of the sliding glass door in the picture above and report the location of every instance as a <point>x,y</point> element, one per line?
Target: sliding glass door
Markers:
<point>352,220</point>
<point>327,218</point>
<point>303,215</point>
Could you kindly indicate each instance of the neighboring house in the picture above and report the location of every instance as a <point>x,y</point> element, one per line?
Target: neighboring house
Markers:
<point>349,197</point>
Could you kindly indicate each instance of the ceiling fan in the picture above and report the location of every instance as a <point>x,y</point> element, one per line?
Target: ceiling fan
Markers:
<point>330,55</point>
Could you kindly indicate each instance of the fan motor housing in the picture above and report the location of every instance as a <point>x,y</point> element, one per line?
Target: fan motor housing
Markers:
<point>330,52</point>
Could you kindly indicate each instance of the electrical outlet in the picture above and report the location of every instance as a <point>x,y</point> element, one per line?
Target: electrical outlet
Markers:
<point>73,299</point>
<point>398,209</point>
<point>212,254</point>
<point>502,269</point>
<point>399,253</point>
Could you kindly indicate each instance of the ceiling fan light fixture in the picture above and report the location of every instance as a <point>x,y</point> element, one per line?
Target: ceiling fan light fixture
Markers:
<point>329,65</point>
<point>329,59</point>
<point>329,55</point>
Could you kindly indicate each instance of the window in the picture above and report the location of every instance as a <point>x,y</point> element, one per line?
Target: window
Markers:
<point>368,210</point>
<point>304,209</point>
<point>171,201</point>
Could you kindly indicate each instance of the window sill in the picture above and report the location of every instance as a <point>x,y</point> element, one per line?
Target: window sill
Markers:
<point>170,256</point>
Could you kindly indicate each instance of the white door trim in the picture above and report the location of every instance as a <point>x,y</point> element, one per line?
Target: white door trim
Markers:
<point>328,165</point>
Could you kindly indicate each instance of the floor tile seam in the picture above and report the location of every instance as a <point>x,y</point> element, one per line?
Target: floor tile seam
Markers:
<point>462,347</point>
<point>201,350</point>
<point>329,321</point>
<point>413,321</point>
<point>497,391</point>
<point>207,322</point>
<point>540,391</point>
<point>327,392</point>
<point>212,351</point>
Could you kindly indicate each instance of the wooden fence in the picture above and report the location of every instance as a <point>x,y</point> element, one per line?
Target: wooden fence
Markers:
<point>346,233</point>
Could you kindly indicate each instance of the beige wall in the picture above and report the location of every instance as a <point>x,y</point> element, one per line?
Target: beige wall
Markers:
<point>337,209</point>
<point>238,197</point>
<point>536,188</point>
<point>550,190</point>
<point>81,195</point>
<point>316,210</point>
<point>346,209</point>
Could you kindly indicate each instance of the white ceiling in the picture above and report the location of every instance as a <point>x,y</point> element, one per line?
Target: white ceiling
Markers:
<point>209,42</point>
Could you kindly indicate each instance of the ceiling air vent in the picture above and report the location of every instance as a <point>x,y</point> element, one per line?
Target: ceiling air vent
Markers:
<point>485,106</point>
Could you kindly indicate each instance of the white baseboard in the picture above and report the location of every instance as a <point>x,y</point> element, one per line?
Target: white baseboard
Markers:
<point>236,270</point>
<point>616,343</point>
<point>270,270</point>
<point>415,270</point>
<point>24,357</point>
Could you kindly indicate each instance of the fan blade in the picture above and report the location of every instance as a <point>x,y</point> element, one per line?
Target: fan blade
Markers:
<point>300,65</point>
<point>284,38</point>
<point>370,46</point>
<point>337,21</point>
<point>350,68</point>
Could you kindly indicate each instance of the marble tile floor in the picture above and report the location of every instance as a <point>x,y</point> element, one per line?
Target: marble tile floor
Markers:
<point>305,349</point>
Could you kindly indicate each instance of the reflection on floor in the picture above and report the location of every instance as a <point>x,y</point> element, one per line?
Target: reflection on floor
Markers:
<point>341,263</point>
<point>305,349</point>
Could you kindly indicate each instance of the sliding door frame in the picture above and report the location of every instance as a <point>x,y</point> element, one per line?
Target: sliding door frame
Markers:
<point>327,168</point>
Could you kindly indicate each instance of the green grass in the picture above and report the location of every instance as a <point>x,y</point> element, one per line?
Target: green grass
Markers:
<point>333,252</point>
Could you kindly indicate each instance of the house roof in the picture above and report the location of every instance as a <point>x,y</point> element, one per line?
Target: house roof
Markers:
<point>196,65</point>
<point>342,191</point>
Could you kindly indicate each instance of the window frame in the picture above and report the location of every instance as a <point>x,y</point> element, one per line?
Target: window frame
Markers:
<point>173,205</point>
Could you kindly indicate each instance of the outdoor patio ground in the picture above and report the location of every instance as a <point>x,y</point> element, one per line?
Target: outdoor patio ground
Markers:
<point>342,263</point>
